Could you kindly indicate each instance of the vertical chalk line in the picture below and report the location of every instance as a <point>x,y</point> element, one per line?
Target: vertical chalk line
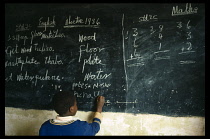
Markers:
<point>123,44</point>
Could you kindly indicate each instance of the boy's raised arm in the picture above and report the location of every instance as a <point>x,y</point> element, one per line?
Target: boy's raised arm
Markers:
<point>100,103</point>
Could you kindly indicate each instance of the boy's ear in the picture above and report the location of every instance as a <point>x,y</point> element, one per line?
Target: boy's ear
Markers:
<point>71,109</point>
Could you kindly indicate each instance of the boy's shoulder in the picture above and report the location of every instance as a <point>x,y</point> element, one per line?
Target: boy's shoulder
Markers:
<point>53,122</point>
<point>46,122</point>
<point>76,127</point>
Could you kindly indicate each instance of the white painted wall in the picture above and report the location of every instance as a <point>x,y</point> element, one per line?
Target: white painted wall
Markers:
<point>28,122</point>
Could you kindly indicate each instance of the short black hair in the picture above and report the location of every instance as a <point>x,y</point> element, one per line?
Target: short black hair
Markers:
<point>62,101</point>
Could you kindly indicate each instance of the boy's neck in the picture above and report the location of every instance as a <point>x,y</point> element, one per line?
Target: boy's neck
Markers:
<point>64,115</point>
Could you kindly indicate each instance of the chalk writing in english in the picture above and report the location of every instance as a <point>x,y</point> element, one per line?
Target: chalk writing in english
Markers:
<point>88,50</point>
<point>92,60</point>
<point>87,38</point>
<point>45,77</point>
<point>48,23</point>
<point>11,50</point>
<point>97,76</point>
<point>188,10</point>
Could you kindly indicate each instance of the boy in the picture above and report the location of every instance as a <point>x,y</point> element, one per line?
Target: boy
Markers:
<point>66,124</point>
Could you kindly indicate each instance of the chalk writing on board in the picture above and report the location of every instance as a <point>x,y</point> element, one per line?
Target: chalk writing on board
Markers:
<point>147,44</point>
<point>85,38</point>
<point>22,53</point>
<point>23,27</point>
<point>93,58</point>
<point>35,78</point>
<point>43,48</point>
<point>18,38</point>
<point>48,23</point>
<point>187,48</point>
<point>9,78</point>
<point>188,10</point>
<point>148,17</point>
<point>86,49</point>
<point>90,56</point>
<point>81,22</point>
<point>83,85</point>
<point>22,61</point>
<point>11,50</point>
<point>86,95</point>
<point>98,76</point>
<point>53,61</point>
<point>52,34</point>
<point>142,61</point>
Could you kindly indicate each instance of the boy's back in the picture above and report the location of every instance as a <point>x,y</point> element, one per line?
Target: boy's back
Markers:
<point>66,124</point>
<point>67,127</point>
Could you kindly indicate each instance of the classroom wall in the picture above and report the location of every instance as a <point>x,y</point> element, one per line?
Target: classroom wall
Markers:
<point>28,122</point>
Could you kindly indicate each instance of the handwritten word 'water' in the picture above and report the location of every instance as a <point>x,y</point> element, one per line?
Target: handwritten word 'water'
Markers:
<point>97,76</point>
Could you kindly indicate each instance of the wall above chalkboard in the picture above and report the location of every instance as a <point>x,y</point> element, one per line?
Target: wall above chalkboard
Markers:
<point>143,57</point>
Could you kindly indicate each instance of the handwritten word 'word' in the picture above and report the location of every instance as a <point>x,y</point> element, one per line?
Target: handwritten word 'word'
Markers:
<point>87,38</point>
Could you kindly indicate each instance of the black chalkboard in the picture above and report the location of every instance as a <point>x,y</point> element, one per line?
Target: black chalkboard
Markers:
<point>144,58</point>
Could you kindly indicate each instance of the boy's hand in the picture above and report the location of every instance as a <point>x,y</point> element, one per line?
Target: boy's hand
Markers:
<point>100,103</point>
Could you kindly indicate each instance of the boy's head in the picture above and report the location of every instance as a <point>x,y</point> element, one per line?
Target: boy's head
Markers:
<point>64,103</point>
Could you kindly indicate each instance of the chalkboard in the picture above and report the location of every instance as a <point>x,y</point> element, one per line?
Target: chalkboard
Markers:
<point>144,58</point>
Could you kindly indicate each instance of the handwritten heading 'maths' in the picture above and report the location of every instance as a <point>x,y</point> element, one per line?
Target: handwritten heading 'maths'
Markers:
<point>188,10</point>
